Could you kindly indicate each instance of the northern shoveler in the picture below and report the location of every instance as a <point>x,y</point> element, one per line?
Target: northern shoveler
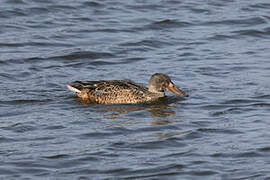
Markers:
<point>124,91</point>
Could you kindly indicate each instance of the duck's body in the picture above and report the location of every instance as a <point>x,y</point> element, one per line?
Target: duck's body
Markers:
<point>124,92</point>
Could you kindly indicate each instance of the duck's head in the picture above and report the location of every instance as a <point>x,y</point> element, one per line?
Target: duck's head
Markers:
<point>160,82</point>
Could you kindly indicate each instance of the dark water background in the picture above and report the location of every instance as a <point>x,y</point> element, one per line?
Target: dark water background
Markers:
<point>216,50</point>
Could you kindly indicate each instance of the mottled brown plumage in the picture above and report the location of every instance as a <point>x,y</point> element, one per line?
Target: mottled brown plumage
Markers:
<point>124,92</point>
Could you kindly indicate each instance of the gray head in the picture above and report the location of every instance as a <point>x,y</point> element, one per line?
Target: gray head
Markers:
<point>160,82</point>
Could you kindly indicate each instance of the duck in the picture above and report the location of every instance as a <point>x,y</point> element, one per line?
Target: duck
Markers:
<point>124,91</point>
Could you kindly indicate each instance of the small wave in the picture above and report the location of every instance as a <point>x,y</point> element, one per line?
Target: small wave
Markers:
<point>70,56</point>
<point>143,7</point>
<point>18,2</point>
<point>199,10</point>
<point>165,24</point>
<point>98,135</point>
<point>17,12</point>
<point>84,55</point>
<point>24,101</point>
<point>248,154</point>
<point>147,43</point>
<point>154,172</point>
<point>264,149</point>
<point>260,6</point>
<point>61,7</point>
<point>233,110</point>
<point>93,4</point>
<point>219,131</point>
<point>4,139</point>
<point>263,97</point>
<point>221,37</point>
<point>253,32</point>
<point>246,22</point>
<point>38,10</point>
<point>58,156</point>
<point>260,104</point>
<point>238,101</point>
<point>20,128</point>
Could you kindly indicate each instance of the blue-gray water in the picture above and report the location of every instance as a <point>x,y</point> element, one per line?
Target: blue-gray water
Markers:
<point>217,50</point>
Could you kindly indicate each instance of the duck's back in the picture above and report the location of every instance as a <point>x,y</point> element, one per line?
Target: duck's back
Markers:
<point>111,92</point>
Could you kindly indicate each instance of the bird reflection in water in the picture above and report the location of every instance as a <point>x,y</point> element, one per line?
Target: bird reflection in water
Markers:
<point>159,109</point>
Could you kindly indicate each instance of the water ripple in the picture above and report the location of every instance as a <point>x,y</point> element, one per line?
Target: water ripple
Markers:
<point>246,22</point>
<point>166,24</point>
<point>253,33</point>
<point>218,49</point>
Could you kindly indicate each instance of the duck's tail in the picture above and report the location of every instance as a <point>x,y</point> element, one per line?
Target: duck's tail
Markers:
<point>78,86</point>
<point>75,86</point>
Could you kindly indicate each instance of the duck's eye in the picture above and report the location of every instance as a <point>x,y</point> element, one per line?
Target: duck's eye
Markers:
<point>165,84</point>
<point>159,81</point>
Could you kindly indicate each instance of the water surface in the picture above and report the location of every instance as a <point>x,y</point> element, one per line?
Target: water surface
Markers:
<point>217,51</point>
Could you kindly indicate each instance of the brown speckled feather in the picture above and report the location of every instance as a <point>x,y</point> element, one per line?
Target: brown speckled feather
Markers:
<point>113,92</point>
